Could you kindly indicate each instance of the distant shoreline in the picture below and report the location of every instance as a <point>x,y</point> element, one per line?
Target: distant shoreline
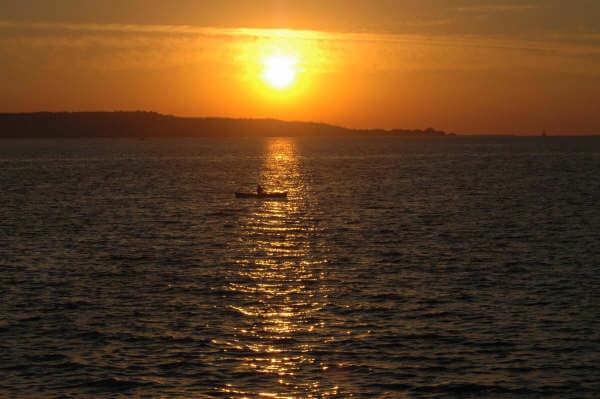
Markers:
<point>141,124</point>
<point>145,124</point>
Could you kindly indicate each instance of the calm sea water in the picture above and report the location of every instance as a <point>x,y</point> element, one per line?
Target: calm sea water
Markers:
<point>398,268</point>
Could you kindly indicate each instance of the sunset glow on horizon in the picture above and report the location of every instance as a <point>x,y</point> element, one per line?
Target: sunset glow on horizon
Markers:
<point>466,68</point>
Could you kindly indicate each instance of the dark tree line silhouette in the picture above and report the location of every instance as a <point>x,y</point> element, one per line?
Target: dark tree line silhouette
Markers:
<point>141,124</point>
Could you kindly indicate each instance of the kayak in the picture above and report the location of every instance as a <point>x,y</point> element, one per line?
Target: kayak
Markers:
<point>273,195</point>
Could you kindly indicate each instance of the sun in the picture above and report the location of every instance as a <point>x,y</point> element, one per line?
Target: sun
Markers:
<point>280,71</point>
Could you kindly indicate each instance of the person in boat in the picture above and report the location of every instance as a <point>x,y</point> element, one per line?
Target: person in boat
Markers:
<point>259,190</point>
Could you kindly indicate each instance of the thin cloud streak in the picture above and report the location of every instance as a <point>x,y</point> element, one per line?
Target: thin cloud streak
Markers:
<point>497,8</point>
<point>114,46</point>
<point>479,41</point>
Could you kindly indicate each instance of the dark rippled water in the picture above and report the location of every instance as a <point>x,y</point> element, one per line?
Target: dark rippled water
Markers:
<point>457,267</point>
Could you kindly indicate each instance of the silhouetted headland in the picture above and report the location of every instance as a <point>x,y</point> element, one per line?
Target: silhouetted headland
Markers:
<point>141,124</point>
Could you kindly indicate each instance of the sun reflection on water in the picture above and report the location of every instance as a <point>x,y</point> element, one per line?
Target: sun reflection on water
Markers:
<point>279,276</point>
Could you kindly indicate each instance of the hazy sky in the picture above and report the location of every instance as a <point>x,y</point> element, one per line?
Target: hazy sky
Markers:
<point>471,66</point>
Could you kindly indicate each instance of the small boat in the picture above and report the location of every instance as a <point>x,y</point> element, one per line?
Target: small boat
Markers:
<point>272,195</point>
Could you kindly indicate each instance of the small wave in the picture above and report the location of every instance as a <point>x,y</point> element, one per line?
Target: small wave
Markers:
<point>183,340</point>
<point>223,213</point>
<point>15,367</point>
<point>73,305</point>
<point>54,357</point>
<point>429,337</point>
<point>115,385</point>
<point>459,388</point>
<point>93,336</point>
<point>398,387</point>
<point>69,366</point>
<point>174,365</point>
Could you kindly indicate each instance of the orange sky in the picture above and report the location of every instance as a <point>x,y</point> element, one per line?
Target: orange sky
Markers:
<point>467,66</point>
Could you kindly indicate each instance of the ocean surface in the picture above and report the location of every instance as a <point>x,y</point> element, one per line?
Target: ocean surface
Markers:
<point>398,268</point>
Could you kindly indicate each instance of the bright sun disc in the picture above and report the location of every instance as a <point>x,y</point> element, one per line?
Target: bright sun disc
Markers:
<point>280,71</point>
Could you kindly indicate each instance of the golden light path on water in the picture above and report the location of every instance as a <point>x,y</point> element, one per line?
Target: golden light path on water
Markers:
<point>280,276</point>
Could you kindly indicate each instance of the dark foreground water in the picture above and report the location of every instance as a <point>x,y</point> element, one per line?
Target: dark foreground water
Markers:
<point>398,268</point>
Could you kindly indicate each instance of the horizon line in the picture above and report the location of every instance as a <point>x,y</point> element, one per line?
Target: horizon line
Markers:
<point>330,124</point>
